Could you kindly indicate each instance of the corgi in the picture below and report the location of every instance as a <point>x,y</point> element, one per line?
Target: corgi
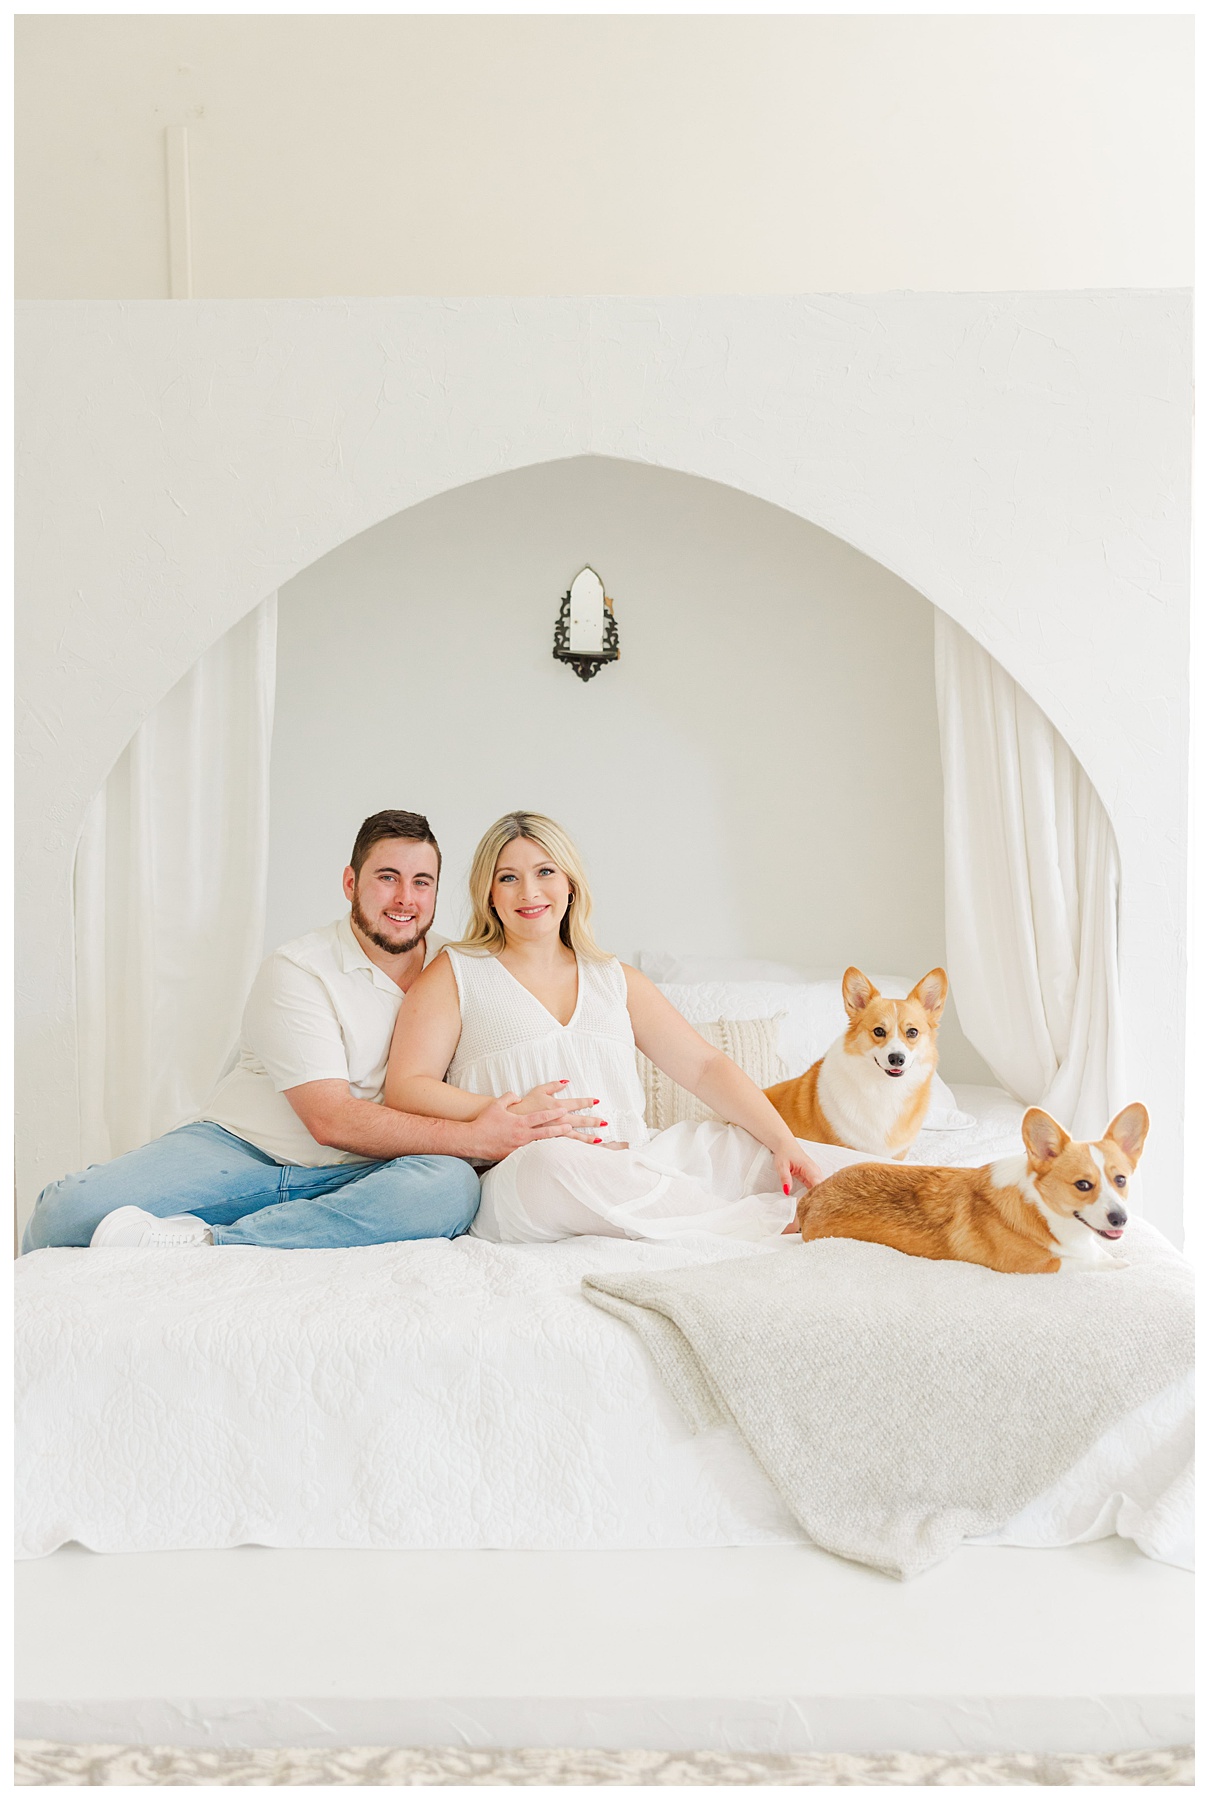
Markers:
<point>1052,1208</point>
<point>871,1089</point>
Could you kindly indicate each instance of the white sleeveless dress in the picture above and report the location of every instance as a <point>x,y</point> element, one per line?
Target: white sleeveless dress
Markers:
<point>709,1177</point>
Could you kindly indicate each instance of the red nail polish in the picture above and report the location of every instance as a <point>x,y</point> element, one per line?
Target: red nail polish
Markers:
<point>604,1121</point>
<point>786,1187</point>
<point>598,1140</point>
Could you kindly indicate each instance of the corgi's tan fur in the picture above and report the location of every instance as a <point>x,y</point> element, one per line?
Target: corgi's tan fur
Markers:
<point>871,1090</point>
<point>1032,1214</point>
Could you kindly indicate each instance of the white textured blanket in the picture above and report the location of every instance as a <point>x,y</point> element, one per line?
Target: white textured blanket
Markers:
<point>901,1406</point>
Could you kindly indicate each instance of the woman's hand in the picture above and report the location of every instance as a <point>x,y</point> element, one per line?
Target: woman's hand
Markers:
<point>793,1164</point>
<point>554,1094</point>
<point>551,1100</point>
<point>577,1113</point>
<point>498,1130</point>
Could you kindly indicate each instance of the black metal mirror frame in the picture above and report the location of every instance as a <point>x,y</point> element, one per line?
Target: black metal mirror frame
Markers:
<point>584,666</point>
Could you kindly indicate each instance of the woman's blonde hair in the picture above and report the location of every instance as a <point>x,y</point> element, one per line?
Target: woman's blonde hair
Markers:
<point>485,933</point>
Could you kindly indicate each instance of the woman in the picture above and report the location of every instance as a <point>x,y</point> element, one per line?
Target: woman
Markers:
<point>527,1004</point>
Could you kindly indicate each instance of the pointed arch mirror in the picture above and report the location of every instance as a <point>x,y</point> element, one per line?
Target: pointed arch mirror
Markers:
<point>585,632</point>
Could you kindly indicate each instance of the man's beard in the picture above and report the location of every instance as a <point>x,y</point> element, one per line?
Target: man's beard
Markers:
<point>390,945</point>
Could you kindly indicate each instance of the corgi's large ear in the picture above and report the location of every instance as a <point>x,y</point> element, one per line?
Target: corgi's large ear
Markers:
<point>931,991</point>
<point>1128,1130</point>
<point>858,992</point>
<point>1044,1138</point>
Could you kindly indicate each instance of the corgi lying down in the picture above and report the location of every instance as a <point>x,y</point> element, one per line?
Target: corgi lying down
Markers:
<point>871,1090</point>
<point>1050,1209</point>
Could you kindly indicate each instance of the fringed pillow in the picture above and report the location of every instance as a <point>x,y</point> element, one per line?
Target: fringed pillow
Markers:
<point>751,1043</point>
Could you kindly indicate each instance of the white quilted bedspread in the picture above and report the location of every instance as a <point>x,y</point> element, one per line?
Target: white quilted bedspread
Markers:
<point>995,1131</point>
<point>417,1396</point>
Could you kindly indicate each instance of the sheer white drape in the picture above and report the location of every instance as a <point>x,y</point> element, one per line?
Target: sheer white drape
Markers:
<point>1031,883</point>
<point>170,887</point>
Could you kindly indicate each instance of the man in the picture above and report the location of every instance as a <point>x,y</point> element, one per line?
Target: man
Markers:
<point>293,1149</point>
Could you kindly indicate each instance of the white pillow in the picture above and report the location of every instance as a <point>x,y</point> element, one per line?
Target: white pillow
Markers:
<point>664,965</point>
<point>943,1112</point>
<point>814,1017</point>
<point>751,1043</point>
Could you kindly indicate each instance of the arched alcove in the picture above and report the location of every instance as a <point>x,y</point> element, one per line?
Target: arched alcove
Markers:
<point>1020,460</point>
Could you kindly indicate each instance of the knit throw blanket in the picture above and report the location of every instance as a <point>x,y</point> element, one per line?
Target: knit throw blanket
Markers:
<point>899,1405</point>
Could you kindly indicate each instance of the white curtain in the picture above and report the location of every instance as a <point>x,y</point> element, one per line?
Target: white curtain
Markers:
<point>170,887</point>
<point>1031,884</point>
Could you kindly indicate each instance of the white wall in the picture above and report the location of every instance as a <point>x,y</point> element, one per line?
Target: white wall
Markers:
<point>759,775</point>
<point>618,155</point>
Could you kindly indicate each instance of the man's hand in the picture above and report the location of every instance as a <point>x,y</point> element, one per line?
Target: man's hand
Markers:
<point>501,1128</point>
<point>334,1117</point>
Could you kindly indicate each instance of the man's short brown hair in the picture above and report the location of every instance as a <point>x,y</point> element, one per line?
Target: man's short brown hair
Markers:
<point>392,824</point>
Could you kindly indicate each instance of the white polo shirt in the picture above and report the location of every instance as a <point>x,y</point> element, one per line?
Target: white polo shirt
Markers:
<point>319,1010</point>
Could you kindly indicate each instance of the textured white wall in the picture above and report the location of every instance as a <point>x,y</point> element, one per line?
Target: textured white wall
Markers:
<point>626,155</point>
<point>759,775</point>
<point>1021,461</point>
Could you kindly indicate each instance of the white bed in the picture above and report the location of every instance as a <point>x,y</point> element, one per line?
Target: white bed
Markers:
<point>431,1396</point>
<point>994,1130</point>
<point>457,1396</point>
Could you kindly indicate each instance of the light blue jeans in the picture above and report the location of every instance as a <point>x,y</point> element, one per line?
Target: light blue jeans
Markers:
<point>247,1198</point>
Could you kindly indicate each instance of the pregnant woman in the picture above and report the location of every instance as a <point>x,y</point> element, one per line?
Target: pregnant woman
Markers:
<point>528,1008</point>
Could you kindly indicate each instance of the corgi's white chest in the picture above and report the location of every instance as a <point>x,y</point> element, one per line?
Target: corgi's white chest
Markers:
<point>862,1104</point>
<point>1077,1246</point>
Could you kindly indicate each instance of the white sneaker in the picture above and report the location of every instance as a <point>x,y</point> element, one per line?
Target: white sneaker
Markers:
<point>130,1228</point>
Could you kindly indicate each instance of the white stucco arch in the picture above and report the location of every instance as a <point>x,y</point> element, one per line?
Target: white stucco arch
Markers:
<point>1022,461</point>
<point>183,656</point>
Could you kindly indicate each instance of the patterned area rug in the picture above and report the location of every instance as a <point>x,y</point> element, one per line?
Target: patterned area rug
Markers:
<point>41,1764</point>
